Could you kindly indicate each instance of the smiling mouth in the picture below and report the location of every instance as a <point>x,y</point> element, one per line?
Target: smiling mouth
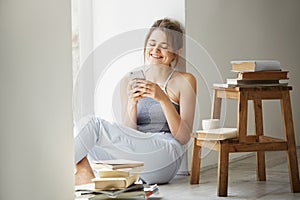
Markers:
<point>156,56</point>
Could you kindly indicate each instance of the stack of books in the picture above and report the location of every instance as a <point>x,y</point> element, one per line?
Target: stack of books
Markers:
<point>117,179</point>
<point>116,174</point>
<point>256,73</point>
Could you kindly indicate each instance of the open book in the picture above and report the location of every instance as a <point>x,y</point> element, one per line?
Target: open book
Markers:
<point>88,191</point>
<point>135,191</point>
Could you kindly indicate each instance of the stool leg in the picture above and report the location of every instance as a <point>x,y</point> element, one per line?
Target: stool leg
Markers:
<point>223,170</point>
<point>290,138</point>
<point>258,125</point>
<point>196,162</point>
<point>242,117</point>
<point>216,107</point>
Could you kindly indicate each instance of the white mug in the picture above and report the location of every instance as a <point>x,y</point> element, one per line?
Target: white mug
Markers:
<point>208,124</point>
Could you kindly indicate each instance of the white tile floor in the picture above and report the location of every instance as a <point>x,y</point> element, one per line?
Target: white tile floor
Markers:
<point>242,182</point>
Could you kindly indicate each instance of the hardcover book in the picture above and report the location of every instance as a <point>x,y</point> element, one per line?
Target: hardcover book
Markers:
<point>236,81</point>
<point>114,182</point>
<point>113,173</point>
<point>263,75</point>
<point>117,164</point>
<point>252,85</point>
<point>255,65</point>
<point>217,134</point>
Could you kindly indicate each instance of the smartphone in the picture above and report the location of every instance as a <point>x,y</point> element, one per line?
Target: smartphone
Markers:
<point>139,74</point>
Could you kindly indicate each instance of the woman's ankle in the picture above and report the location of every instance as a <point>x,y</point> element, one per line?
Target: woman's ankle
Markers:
<point>84,173</point>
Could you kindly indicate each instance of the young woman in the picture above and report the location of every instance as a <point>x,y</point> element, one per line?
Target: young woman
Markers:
<point>158,114</point>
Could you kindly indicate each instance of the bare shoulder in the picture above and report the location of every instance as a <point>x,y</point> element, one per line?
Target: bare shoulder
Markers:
<point>188,78</point>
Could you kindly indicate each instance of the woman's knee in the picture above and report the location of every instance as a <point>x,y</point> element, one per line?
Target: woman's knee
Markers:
<point>162,175</point>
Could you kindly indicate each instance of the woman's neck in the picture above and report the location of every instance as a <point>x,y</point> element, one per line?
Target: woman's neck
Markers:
<point>158,73</point>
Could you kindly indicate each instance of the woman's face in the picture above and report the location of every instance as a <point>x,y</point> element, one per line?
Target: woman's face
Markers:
<point>158,50</point>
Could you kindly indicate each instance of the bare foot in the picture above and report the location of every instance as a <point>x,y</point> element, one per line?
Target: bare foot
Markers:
<point>84,173</point>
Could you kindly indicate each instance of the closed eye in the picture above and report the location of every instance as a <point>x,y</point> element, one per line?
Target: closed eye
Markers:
<point>164,46</point>
<point>151,44</point>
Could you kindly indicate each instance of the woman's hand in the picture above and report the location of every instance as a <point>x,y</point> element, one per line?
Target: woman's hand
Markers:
<point>130,95</point>
<point>133,92</point>
<point>145,88</point>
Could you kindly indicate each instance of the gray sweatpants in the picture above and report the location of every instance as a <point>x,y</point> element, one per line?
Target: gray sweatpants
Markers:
<point>160,152</point>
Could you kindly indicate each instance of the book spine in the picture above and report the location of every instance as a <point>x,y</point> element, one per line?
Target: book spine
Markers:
<point>249,82</point>
<point>274,75</point>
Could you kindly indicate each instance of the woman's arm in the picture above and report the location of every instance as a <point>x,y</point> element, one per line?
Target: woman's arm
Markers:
<point>181,126</point>
<point>129,98</point>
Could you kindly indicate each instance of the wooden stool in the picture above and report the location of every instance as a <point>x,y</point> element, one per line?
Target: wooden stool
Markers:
<point>250,143</point>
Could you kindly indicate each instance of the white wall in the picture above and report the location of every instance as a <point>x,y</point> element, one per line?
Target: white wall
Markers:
<point>114,18</point>
<point>36,145</point>
<point>118,16</point>
<point>243,29</point>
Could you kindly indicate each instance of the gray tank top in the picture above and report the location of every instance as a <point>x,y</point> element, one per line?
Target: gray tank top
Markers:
<point>150,116</point>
